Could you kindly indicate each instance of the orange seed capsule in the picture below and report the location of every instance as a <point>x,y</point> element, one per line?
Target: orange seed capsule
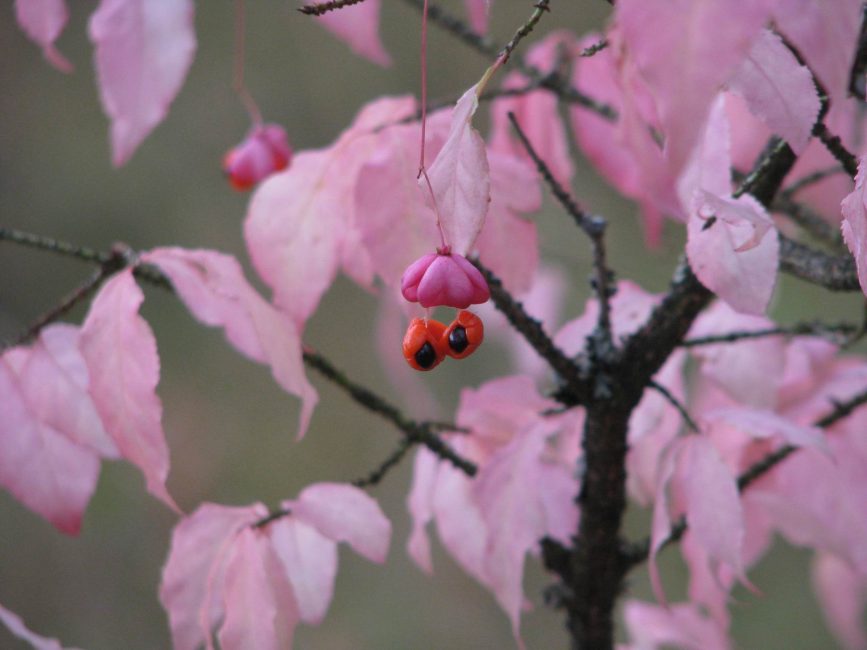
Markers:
<point>464,335</point>
<point>423,344</point>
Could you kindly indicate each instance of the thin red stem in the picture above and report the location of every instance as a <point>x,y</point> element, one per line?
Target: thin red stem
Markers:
<point>238,82</point>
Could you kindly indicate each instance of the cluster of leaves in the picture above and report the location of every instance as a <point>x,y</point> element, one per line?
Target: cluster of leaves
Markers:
<point>760,438</point>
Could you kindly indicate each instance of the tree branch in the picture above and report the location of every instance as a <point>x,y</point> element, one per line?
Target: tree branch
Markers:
<point>831,331</point>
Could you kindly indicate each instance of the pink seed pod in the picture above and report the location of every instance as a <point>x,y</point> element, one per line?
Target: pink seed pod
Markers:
<point>264,151</point>
<point>444,279</point>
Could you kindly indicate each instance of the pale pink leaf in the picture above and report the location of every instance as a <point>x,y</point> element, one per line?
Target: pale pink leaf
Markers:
<point>737,255</point>
<point>660,527</point>
<point>345,513</point>
<point>663,39</point>
<point>43,21</point>
<point>713,507</point>
<point>251,615</point>
<point>213,287</point>
<point>778,90</point>
<point>419,502</point>
<point>682,626</point>
<point>508,242</point>
<point>55,381</point>
<point>16,626</point>
<point>309,560</point>
<point>143,51</point>
<point>825,33</point>
<point>743,368</point>
<point>842,594</point>
<point>358,26</point>
<point>708,169</point>
<point>301,223</point>
<point>478,12</point>
<point>461,179</point>
<point>536,112</point>
<point>854,224</point>
<point>121,355</point>
<point>40,465</point>
<point>193,574</point>
<point>765,424</point>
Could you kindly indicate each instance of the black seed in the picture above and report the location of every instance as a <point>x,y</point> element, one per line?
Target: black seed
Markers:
<point>426,356</point>
<point>458,339</point>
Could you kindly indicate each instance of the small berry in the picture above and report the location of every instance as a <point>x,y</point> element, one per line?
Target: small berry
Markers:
<point>464,335</point>
<point>423,344</point>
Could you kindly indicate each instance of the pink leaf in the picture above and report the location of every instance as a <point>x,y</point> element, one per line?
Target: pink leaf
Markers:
<point>43,21</point>
<point>661,524</point>
<point>826,35</point>
<point>55,382</point>
<point>358,27</point>
<point>778,90</point>
<point>16,626</point>
<point>309,560</point>
<point>121,355</point>
<point>537,112</point>
<point>713,506</point>
<point>508,242</point>
<point>40,465</point>
<point>345,513</point>
<point>194,571</point>
<point>766,424</point>
<point>460,178</point>
<point>300,224</point>
<point>143,51</point>
<point>854,224</point>
<point>842,594</point>
<point>250,595</point>
<point>213,287</point>
<point>419,502</point>
<point>663,40</point>
<point>478,12</point>
<point>741,369</point>
<point>735,257</point>
<point>709,167</point>
<point>682,626</point>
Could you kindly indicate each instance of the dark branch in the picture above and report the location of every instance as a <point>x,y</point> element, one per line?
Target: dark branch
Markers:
<point>677,404</point>
<point>835,146</point>
<point>818,267</point>
<point>541,6</point>
<point>320,8</point>
<point>832,331</point>
<point>574,390</point>
<point>390,462</point>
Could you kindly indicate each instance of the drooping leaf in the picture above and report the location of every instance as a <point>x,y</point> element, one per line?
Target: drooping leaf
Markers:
<point>345,513</point>
<point>842,594</point>
<point>193,576</point>
<point>213,287</point>
<point>778,90</point>
<point>460,178</point>
<point>683,625</point>
<point>825,33</point>
<point>16,626</point>
<point>663,40</point>
<point>43,21</point>
<point>854,224</point>
<point>121,355</point>
<point>143,51</point>
<point>358,26</point>
<point>737,255</point>
<point>40,465</point>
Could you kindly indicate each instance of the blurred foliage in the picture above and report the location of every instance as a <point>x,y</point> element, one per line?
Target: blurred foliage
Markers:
<point>230,428</point>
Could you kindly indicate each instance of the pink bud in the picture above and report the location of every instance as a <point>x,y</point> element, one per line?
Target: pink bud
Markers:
<point>444,279</point>
<point>264,151</point>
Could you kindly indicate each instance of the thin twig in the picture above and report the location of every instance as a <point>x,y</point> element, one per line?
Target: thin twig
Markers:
<point>676,403</point>
<point>836,148</point>
<point>390,462</point>
<point>319,8</point>
<point>415,431</point>
<point>593,226</point>
<point>53,245</point>
<point>541,6</point>
<point>575,389</point>
<point>807,219</point>
<point>811,179</point>
<point>831,331</point>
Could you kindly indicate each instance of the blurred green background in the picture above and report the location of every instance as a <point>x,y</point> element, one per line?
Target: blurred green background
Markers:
<point>229,427</point>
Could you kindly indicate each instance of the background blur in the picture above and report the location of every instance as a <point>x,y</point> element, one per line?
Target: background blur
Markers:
<point>229,427</point>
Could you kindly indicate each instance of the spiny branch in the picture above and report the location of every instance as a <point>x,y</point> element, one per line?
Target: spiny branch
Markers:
<point>575,389</point>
